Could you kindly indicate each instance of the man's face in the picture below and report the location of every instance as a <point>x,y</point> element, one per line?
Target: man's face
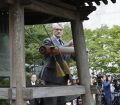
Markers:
<point>33,78</point>
<point>58,32</point>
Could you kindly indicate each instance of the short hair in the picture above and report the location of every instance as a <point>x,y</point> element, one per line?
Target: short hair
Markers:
<point>57,25</point>
<point>33,74</point>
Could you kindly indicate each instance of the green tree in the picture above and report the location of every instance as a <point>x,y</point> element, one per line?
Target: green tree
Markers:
<point>103,46</point>
<point>34,35</point>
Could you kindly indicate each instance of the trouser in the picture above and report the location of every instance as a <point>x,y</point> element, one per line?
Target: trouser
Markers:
<point>54,100</point>
<point>108,101</point>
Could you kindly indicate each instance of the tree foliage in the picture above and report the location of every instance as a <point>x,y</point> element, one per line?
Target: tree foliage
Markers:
<point>34,35</point>
<point>104,48</point>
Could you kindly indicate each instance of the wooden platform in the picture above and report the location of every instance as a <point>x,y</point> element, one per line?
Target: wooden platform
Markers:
<point>39,92</point>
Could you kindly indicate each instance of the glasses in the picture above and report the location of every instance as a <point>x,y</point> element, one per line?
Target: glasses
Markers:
<point>58,29</point>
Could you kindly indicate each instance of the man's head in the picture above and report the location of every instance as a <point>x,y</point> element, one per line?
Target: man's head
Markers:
<point>57,29</point>
<point>33,77</point>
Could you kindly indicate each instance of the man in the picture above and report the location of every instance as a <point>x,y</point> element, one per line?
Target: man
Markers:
<point>50,71</point>
<point>33,83</point>
<point>107,89</point>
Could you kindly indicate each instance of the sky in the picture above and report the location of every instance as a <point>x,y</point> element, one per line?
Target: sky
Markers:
<point>104,15</point>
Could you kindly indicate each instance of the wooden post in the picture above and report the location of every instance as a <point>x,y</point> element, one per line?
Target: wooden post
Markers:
<point>17,55</point>
<point>82,58</point>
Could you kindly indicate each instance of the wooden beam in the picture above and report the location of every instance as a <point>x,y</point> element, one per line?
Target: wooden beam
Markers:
<point>51,9</point>
<point>26,2</point>
<point>5,3</point>
<point>81,58</point>
<point>4,93</point>
<point>58,91</point>
<point>39,92</point>
<point>9,1</point>
<point>17,53</point>
<point>60,4</point>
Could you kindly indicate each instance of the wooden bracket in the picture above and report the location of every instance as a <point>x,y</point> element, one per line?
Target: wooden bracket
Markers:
<point>12,93</point>
<point>27,93</point>
<point>26,2</point>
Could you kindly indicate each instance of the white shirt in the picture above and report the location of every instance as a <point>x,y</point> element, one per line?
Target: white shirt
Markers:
<point>58,40</point>
<point>33,83</point>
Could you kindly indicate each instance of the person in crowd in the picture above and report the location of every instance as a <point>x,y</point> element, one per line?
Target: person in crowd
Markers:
<point>93,82</point>
<point>78,81</point>
<point>34,83</point>
<point>106,84</point>
<point>117,85</point>
<point>69,83</point>
<point>54,64</point>
<point>74,81</point>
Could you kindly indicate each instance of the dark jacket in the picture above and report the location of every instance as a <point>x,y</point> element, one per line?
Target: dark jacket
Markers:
<point>49,72</point>
<point>107,91</point>
<point>29,84</point>
<point>117,87</point>
<point>35,101</point>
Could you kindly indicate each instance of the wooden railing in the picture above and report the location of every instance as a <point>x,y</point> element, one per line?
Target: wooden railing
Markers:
<point>38,92</point>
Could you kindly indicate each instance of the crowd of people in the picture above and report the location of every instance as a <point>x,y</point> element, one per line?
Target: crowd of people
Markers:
<point>36,82</point>
<point>110,88</point>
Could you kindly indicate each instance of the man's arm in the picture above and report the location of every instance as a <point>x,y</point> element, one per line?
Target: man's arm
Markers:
<point>70,43</point>
<point>47,42</point>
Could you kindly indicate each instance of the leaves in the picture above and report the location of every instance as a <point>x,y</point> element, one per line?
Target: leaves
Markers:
<point>34,36</point>
<point>104,48</point>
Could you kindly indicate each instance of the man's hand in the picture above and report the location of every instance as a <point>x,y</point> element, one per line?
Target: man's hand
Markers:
<point>54,50</point>
<point>70,43</point>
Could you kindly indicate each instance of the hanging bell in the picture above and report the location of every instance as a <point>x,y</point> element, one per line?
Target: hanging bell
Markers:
<point>59,70</point>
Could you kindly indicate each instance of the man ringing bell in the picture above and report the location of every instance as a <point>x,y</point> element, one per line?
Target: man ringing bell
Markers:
<point>56,69</point>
